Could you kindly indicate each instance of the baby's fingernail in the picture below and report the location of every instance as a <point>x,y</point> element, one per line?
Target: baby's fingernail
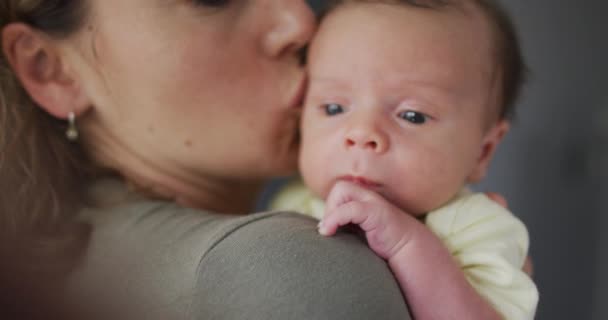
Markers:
<point>322,229</point>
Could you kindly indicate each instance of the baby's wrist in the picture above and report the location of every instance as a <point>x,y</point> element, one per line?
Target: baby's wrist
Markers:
<point>421,242</point>
<point>413,237</point>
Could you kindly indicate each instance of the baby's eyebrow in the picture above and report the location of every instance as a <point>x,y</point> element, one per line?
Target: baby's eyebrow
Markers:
<point>423,89</point>
<point>409,81</point>
<point>429,87</point>
<point>330,82</point>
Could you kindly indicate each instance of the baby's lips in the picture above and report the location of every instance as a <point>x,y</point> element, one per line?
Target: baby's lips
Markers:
<point>361,181</point>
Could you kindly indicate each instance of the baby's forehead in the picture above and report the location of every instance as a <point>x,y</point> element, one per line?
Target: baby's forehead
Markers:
<point>487,15</point>
<point>460,16</point>
<point>404,32</point>
<point>402,25</point>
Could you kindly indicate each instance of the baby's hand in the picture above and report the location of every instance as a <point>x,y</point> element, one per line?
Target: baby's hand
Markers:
<point>387,228</point>
<point>397,237</point>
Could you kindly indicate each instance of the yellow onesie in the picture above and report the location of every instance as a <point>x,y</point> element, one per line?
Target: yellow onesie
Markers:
<point>489,243</point>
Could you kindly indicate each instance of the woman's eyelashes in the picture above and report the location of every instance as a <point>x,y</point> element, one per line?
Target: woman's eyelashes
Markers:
<point>414,117</point>
<point>211,3</point>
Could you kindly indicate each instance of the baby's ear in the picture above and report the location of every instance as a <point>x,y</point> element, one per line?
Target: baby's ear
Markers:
<point>490,142</point>
<point>42,70</point>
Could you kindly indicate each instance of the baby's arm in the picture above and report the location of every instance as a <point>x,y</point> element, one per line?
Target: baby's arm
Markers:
<point>490,245</point>
<point>433,283</point>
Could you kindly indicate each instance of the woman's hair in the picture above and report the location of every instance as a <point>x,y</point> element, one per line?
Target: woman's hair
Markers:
<point>41,172</point>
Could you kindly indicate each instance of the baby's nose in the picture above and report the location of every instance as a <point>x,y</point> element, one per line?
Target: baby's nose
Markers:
<point>369,139</point>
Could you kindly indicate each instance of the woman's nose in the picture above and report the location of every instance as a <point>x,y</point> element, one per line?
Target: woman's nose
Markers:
<point>292,27</point>
<point>367,138</point>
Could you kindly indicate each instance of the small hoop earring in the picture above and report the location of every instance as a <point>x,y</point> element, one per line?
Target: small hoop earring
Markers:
<point>72,132</point>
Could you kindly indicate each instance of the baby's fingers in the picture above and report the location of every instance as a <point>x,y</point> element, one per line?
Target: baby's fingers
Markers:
<point>345,191</point>
<point>498,198</point>
<point>352,212</point>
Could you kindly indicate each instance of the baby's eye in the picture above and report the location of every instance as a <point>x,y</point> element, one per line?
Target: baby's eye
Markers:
<point>332,109</point>
<point>413,117</point>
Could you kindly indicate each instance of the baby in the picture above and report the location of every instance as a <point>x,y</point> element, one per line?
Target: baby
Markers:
<point>407,103</point>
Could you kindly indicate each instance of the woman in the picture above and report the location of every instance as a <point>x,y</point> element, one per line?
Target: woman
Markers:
<point>135,138</point>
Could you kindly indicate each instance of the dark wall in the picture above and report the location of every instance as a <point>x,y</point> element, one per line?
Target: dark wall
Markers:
<point>553,165</point>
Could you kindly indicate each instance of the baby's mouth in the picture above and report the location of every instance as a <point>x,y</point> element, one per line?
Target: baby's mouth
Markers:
<point>362,181</point>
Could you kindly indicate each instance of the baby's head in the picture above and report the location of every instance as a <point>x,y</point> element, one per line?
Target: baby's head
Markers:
<point>408,98</point>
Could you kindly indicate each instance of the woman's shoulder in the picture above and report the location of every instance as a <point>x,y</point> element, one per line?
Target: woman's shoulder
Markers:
<point>281,268</point>
<point>143,256</point>
<point>156,260</point>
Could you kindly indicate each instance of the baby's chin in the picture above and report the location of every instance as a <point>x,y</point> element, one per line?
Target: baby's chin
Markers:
<point>416,204</point>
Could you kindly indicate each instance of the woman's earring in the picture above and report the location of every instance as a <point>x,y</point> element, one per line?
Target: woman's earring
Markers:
<point>72,132</point>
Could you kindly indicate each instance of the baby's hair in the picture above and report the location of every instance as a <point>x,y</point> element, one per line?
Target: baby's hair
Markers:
<point>508,53</point>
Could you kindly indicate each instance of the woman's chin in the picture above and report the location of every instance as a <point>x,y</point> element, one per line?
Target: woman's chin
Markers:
<point>288,167</point>
<point>287,163</point>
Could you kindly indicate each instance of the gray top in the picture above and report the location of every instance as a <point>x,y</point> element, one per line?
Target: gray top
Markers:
<point>156,260</point>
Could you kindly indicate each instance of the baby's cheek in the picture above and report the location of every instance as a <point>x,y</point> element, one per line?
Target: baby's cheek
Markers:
<point>441,183</point>
<point>422,182</point>
<point>313,170</point>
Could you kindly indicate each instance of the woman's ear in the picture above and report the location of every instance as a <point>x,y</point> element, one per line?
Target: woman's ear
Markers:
<point>488,147</point>
<point>37,62</point>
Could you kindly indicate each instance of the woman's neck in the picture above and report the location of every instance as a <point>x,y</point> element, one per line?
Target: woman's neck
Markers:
<point>235,197</point>
<point>222,196</point>
<point>170,181</point>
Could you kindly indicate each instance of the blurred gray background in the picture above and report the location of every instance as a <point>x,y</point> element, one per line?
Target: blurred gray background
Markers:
<point>553,165</point>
